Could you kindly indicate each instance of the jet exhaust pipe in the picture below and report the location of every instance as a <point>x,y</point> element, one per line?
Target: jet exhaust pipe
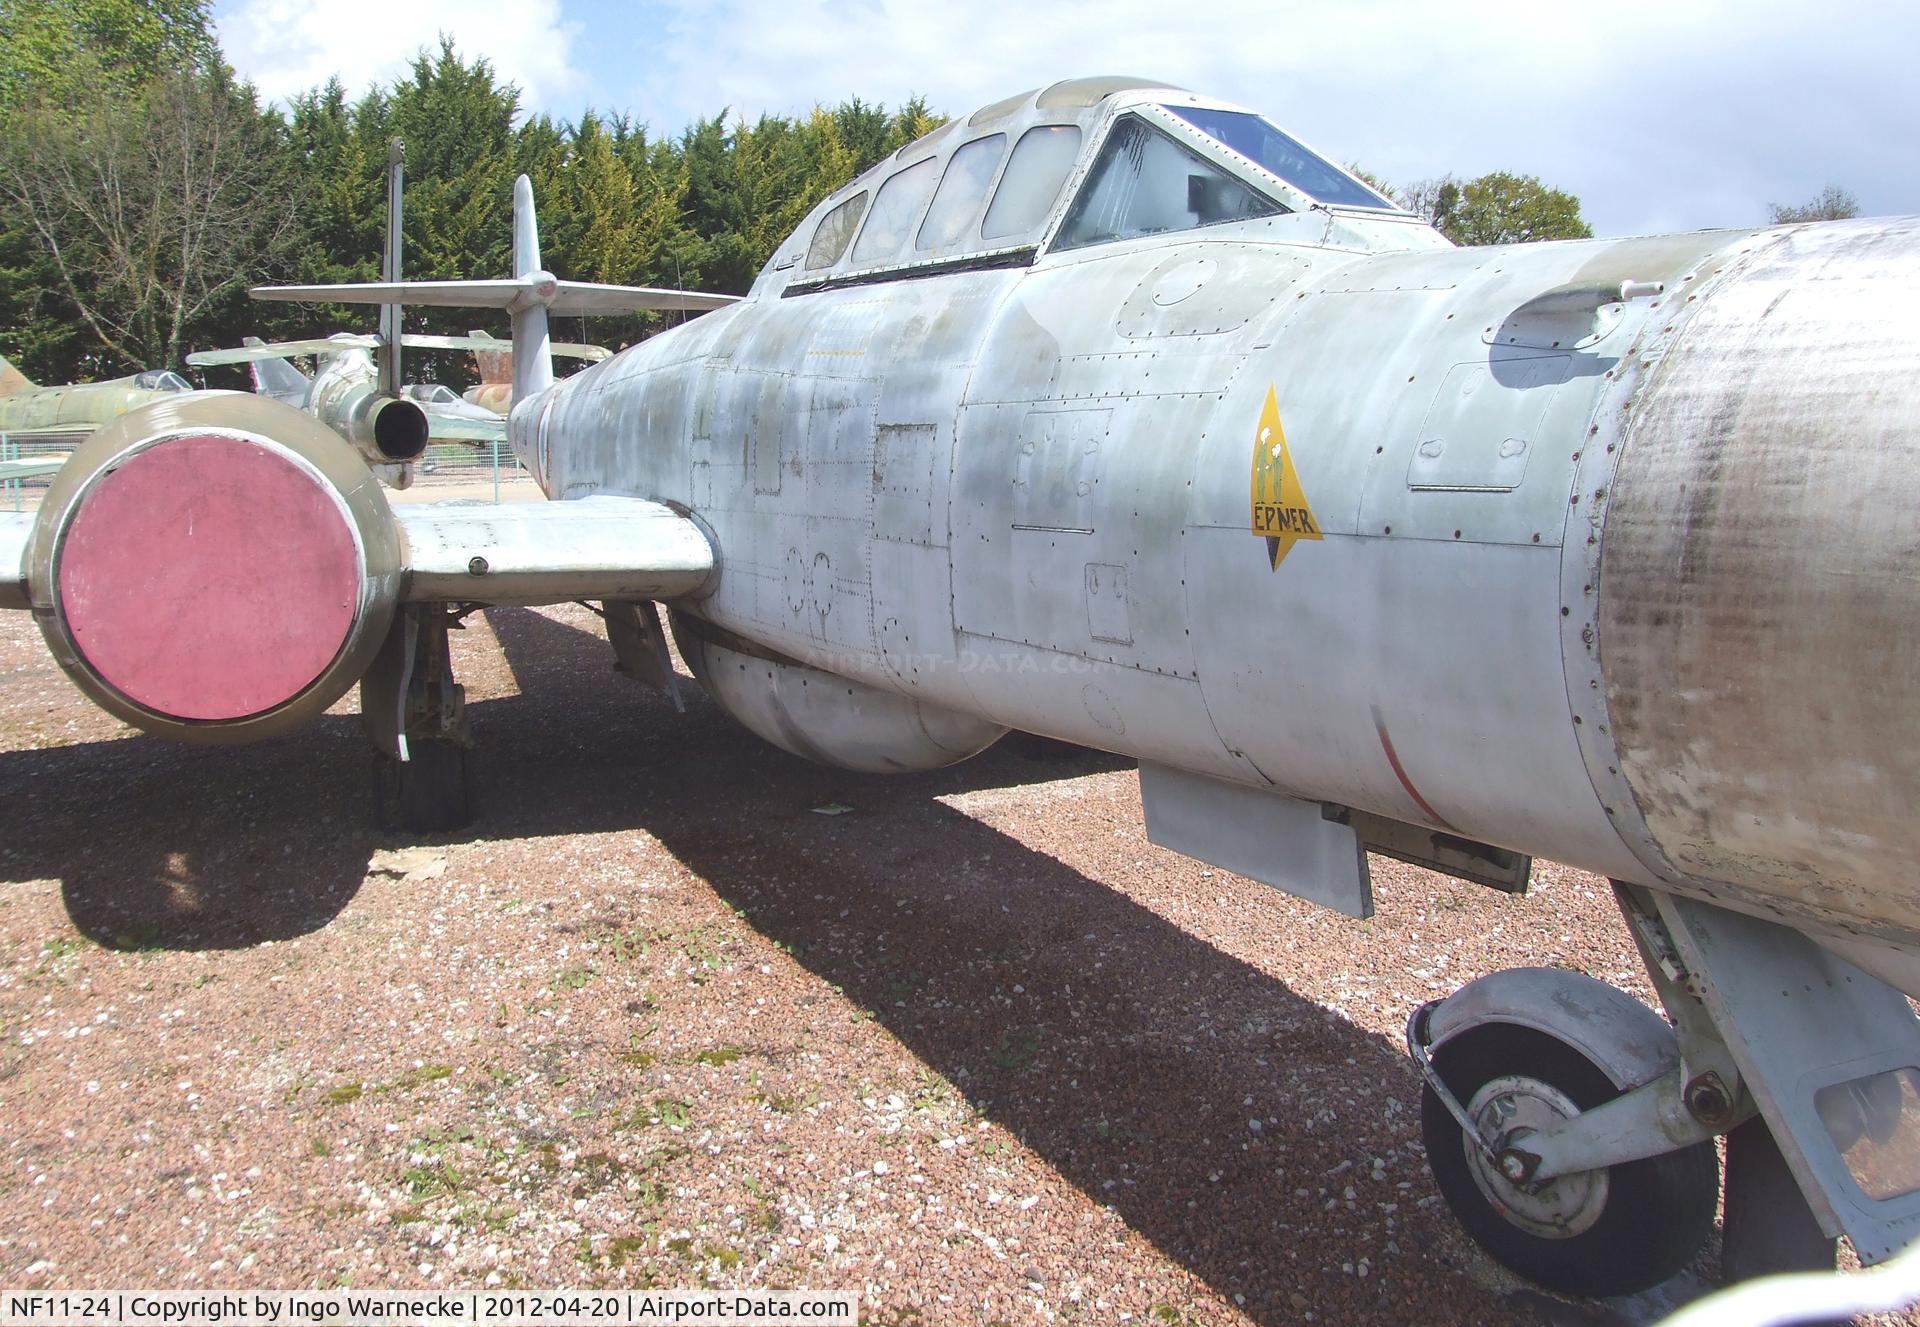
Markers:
<point>385,428</point>
<point>217,569</point>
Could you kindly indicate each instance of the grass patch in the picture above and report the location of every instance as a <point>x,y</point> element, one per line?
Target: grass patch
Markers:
<point>1014,1052</point>
<point>788,1104</point>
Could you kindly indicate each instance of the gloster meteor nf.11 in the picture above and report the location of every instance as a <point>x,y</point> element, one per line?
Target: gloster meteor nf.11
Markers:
<point>1113,413</point>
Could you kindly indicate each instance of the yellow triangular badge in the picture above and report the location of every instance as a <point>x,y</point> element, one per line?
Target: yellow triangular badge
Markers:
<point>1280,512</point>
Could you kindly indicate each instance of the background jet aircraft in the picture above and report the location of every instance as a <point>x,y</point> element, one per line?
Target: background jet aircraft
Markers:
<point>30,413</point>
<point>1114,413</point>
<point>393,422</point>
<point>347,368</point>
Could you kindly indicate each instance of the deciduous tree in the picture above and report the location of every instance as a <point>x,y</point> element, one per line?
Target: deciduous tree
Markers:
<point>153,209</point>
<point>1497,208</point>
<point>1831,204</point>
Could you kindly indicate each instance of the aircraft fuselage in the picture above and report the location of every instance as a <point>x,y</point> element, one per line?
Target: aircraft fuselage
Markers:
<point>1035,495</point>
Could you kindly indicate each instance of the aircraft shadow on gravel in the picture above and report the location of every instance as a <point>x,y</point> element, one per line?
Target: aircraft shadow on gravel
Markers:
<point>160,845</point>
<point>1117,1046</point>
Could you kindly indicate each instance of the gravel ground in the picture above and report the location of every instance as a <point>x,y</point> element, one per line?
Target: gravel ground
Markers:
<point>972,1046</point>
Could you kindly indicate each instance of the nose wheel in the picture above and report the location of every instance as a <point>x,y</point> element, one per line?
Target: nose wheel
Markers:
<point>1610,1231</point>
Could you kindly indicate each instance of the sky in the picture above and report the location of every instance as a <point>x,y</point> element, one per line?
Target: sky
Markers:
<point>1670,116</point>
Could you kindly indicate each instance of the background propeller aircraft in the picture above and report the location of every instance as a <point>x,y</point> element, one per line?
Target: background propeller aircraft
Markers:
<point>1114,413</point>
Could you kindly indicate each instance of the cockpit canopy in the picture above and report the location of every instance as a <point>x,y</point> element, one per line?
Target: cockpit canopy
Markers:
<point>1084,162</point>
<point>161,380</point>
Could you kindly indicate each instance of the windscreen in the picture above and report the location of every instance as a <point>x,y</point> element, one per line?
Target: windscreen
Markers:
<point>1144,183</point>
<point>1262,143</point>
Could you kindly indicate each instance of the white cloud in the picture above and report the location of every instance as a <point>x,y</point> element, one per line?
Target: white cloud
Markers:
<point>1684,114</point>
<point>288,46</point>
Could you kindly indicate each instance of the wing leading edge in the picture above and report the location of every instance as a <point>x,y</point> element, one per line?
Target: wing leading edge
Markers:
<point>566,298</point>
<point>16,528</point>
<point>503,553</point>
<point>551,552</point>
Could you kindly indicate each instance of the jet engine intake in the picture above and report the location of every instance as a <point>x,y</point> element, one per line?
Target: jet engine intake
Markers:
<point>824,717</point>
<point>219,569</point>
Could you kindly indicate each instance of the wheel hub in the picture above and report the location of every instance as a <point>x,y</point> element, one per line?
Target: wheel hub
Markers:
<point>1505,1111</point>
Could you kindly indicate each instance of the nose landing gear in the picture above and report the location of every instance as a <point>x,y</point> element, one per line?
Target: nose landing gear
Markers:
<point>1607,1231</point>
<point>1571,1128</point>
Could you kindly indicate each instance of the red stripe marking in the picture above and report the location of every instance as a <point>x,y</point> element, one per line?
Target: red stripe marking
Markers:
<point>1400,772</point>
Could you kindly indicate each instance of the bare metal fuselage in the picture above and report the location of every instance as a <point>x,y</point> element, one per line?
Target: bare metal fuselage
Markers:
<point>1115,414</point>
<point>1624,584</point>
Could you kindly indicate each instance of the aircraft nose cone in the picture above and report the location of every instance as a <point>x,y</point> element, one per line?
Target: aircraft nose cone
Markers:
<point>1760,577</point>
<point>209,578</point>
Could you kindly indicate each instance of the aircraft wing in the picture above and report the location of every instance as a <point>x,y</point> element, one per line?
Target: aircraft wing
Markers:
<point>328,345</point>
<point>543,552</point>
<point>560,297</point>
<point>15,528</point>
<point>460,428</point>
<point>333,345</point>
<point>566,349</point>
<point>536,552</point>
<point>30,467</point>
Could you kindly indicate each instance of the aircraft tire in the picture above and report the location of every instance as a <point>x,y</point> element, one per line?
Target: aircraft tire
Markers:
<point>1645,1225</point>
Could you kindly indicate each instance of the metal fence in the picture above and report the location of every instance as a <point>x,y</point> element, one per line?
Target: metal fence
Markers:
<point>455,463</point>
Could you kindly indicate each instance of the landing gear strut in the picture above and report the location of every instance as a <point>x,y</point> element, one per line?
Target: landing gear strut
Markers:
<point>1606,1230</point>
<point>416,715</point>
<point>1571,1128</point>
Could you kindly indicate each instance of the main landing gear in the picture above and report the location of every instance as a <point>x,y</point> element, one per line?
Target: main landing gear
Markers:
<point>1570,1128</point>
<point>416,715</point>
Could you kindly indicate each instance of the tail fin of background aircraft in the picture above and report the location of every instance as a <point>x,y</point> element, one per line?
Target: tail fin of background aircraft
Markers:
<point>12,380</point>
<point>493,365</point>
<point>277,378</point>
<point>529,295</point>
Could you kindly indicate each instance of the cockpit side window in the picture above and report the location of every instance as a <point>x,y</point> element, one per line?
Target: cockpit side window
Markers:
<point>1144,183</point>
<point>835,229</point>
<point>962,192</point>
<point>895,210</point>
<point>1040,164</point>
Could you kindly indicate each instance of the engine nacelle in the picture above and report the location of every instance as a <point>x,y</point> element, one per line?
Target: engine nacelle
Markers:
<point>217,568</point>
<point>388,430</point>
<point>823,717</point>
